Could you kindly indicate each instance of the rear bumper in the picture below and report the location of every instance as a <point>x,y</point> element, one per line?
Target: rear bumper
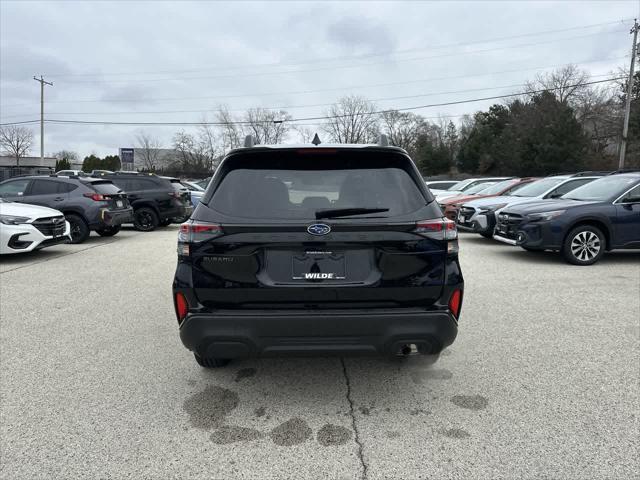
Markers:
<point>117,217</point>
<point>233,334</point>
<point>175,212</point>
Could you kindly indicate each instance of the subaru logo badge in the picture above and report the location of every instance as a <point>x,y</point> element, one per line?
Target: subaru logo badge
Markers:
<point>318,229</point>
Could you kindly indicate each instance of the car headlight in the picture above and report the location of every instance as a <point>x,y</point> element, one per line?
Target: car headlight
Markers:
<point>13,220</point>
<point>492,208</point>
<point>546,215</point>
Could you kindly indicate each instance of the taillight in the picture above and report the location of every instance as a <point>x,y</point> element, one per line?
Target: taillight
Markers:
<point>455,302</point>
<point>438,229</point>
<point>182,307</point>
<point>98,197</point>
<point>195,232</point>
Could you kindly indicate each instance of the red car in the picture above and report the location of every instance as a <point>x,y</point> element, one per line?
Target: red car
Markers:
<point>450,206</point>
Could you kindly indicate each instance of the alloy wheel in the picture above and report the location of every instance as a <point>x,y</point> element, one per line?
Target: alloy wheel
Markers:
<point>585,246</point>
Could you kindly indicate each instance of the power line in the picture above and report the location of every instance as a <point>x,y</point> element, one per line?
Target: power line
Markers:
<point>338,67</point>
<point>290,107</point>
<point>334,89</point>
<point>347,57</point>
<point>325,117</point>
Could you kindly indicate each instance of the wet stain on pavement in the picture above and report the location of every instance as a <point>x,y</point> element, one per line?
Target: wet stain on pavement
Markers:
<point>292,432</point>
<point>245,373</point>
<point>471,402</point>
<point>230,434</point>
<point>191,382</point>
<point>456,433</point>
<point>365,410</point>
<point>208,409</point>
<point>330,435</point>
<point>420,376</point>
<point>393,434</point>
<point>260,411</point>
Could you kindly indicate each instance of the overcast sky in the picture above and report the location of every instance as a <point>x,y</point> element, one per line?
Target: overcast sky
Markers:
<point>109,60</point>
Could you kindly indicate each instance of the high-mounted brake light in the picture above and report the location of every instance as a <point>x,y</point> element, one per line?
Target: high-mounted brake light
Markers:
<point>182,307</point>
<point>438,229</point>
<point>194,231</point>
<point>455,302</point>
<point>98,197</point>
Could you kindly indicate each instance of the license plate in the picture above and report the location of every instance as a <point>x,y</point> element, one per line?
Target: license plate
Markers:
<point>318,266</point>
<point>119,203</point>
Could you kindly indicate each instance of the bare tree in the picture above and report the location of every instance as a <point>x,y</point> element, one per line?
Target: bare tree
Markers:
<point>16,141</point>
<point>148,147</point>
<point>565,83</point>
<point>352,120</point>
<point>403,129</point>
<point>267,126</point>
<point>305,134</point>
<point>232,132</point>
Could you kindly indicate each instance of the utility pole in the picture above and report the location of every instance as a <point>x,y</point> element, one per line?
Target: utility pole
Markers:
<point>42,84</point>
<point>627,106</point>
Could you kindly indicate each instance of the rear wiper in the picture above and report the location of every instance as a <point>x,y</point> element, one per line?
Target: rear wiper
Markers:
<point>347,212</point>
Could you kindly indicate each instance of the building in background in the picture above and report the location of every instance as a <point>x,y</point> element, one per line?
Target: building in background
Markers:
<point>28,166</point>
<point>132,158</point>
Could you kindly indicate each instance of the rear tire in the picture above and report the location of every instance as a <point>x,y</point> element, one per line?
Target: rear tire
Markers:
<point>584,245</point>
<point>145,219</point>
<point>79,228</point>
<point>207,362</point>
<point>108,231</point>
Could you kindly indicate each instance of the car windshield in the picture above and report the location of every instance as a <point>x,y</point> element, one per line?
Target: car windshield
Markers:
<point>538,188</point>
<point>105,187</point>
<point>481,187</point>
<point>602,189</point>
<point>461,185</point>
<point>297,194</point>
<point>496,188</point>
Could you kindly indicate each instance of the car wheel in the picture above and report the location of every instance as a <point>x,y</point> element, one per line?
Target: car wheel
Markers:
<point>79,228</point>
<point>145,219</point>
<point>108,231</point>
<point>164,223</point>
<point>181,219</point>
<point>584,245</point>
<point>207,362</point>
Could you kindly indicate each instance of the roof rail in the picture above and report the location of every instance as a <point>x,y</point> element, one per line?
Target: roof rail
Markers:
<point>591,173</point>
<point>625,170</point>
<point>383,140</point>
<point>249,141</point>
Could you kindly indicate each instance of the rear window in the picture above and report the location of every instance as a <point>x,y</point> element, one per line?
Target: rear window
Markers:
<point>104,187</point>
<point>177,185</point>
<point>287,192</point>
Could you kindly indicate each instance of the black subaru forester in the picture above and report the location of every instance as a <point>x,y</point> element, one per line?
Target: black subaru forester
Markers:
<point>313,250</point>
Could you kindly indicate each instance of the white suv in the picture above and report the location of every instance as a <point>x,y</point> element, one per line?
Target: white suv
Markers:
<point>24,228</point>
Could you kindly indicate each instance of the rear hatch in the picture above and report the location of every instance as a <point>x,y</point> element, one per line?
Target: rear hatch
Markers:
<point>181,192</point>
<point>318,228</point>
<point>116,199</point>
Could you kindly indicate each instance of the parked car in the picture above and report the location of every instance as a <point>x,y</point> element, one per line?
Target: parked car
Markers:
<point>358,260</point>
<point>156,201</point>
<point>24,228</point>
<point>464,186</point>
<point>479,215</point>
<point>584,223</point>
<point>203,183</point>
<point>87,203</point>
<point>195,191</point>
<point>440,184</point>
<point>77,173</point>
<point>100,172</point>
<point>451,205</point>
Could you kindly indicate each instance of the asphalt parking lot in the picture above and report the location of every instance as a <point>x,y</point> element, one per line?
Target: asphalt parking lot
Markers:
<point>542,382</point>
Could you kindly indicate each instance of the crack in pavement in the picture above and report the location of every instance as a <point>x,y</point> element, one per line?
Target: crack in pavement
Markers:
<point>356,433</point>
